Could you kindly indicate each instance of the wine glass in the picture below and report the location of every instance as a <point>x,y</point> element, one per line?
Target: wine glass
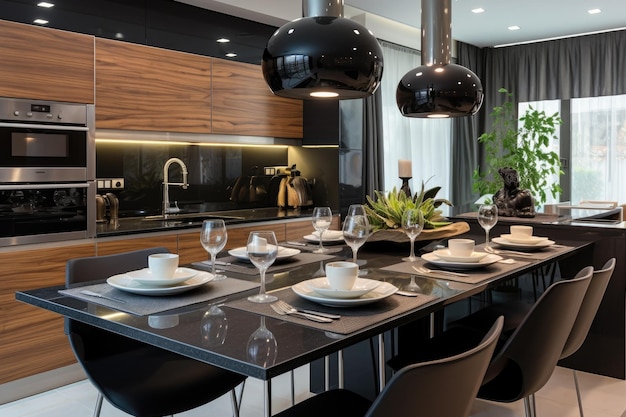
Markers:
<point>213,237</point>
<point>322,216</point>
<point>356,228</point>
<point>262,250</point>
<point>262,347</point>
<point>214,326</point>
<point>487,217</point>
<point>412,224</point>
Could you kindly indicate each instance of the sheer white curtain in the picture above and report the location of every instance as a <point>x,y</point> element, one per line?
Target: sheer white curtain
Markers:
<point>426,142</point>
<point>598,158</point>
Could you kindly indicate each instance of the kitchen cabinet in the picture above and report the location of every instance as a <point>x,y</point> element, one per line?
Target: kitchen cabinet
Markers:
<point>33,341</point>
<point>295,230</point>
<point>110,246</point>
<point>151,89</point>
<point>244,105</point>
<point>46,64</point>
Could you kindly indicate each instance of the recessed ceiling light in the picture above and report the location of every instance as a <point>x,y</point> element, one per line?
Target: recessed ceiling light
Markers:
<point>40,21</point>
<point>223,40</point>
<point>231,54</point>
<point>45,4</point>
<point>479,10</point>
<point>514,27</point>
<point>594,11</point>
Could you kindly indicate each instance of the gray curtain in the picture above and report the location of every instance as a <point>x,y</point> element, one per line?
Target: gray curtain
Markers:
<point>465,157</point>
<point>374,173</point>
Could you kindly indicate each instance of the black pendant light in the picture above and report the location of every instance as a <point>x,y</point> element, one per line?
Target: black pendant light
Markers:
<point>323,55</point>
<point>438,88</point>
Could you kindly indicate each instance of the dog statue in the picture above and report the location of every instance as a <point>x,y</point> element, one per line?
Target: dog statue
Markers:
<point>510,200</point>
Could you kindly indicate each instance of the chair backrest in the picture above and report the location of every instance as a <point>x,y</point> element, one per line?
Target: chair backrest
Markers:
<point>97,268</point>
<point>440,388</point>
<point>528,357</point>
<point>589,308</point>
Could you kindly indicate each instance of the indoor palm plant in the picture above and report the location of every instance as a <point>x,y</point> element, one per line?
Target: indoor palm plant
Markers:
<point>523,146</point>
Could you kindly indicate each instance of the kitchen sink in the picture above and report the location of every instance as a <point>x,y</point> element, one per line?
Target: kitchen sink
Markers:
<point>190,217</point>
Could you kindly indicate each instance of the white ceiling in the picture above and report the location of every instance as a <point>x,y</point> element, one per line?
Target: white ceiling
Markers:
<point>537,19</point>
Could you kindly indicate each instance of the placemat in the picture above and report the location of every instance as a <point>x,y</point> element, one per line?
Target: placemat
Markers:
<point>309,247</point>
<point>475,275</point>
<point>142,305</point>
<point>540,254</point>
<point>352,318</point>
<point>243,267</point>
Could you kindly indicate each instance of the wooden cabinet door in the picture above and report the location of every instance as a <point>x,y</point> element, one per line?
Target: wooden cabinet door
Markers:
<point>189,248</point>
<point>145,88</point>
<point>244,105</point>
<point>33,339</point>
<point>110,247</point>
<point>45,64</point>
<point>296,230</point>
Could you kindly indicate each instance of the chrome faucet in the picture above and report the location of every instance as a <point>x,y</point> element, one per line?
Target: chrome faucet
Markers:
<point>166,183</point>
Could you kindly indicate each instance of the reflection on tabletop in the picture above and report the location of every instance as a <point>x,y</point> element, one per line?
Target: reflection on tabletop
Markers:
<point>214,326</point>
<point>262,347</point>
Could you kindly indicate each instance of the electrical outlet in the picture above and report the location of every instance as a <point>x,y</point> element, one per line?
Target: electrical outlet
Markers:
<point>117,183</point>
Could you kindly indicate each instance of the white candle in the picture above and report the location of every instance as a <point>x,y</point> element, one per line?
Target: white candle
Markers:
<point>404,168</point>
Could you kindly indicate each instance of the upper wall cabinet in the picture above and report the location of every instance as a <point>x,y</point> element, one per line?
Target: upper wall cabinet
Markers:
<point>45,64</point>
<point>244,105</point>
<point>145,88</point>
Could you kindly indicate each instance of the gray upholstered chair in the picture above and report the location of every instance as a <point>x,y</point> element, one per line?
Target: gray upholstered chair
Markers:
<point>442,388</point>
<point>139,379</point>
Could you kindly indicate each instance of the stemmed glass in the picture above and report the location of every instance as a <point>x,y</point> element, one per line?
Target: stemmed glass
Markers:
<point>262,249</point>
<point>487,217</point>
<point>412,224</point>
<point>262,346</point>
<point>322,216</point>
<point>356,228</point>
<point>214,326</point>
<point>213,237</point>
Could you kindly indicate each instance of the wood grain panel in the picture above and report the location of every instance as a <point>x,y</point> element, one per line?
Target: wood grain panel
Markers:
<point>145,88</point>
<point>244,105</point>
<point>295,230</point>
<point>110,247</point>
<point>46,64</point>
<point>189,248</point>
<point>239,236</point>
<point>32,339</point>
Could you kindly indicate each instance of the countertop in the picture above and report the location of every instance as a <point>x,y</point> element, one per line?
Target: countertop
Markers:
<point>190,220</point>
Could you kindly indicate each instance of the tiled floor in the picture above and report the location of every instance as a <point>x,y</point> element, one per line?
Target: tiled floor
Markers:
<point>602,397</point>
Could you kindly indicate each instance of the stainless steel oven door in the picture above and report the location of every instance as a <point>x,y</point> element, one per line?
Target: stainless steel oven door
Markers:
<point>45,153</point>
<point>37,213</point>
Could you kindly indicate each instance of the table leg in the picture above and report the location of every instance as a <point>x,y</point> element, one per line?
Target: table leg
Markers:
<point>381,362</point>
<point>340,368</point>
<point>267,398</point>
<point>326,373</point>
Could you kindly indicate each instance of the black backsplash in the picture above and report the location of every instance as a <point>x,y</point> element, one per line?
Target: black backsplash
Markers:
<point>213,172</point>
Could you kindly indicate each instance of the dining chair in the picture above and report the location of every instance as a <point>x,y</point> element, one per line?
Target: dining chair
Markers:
<point>441,388</point>
<point>139,379</point>
<point>527,354</point>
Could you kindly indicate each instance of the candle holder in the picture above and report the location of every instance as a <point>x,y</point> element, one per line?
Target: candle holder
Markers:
<point>405,186</point>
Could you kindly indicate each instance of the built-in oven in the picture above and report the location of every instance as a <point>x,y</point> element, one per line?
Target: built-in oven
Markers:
<point>47,171</point>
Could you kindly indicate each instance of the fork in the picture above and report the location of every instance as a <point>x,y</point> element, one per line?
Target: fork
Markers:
<point>424,270</point>
<point>286,306</point>
<point>282,311</point>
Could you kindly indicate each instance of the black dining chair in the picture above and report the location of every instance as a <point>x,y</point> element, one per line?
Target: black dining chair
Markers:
<point>139,379</point>
<point>526,355</point>
<point>442,388</point>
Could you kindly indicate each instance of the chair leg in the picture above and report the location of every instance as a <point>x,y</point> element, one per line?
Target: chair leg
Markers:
<point>293,388</point>
<point>96,411</point>
<point>243,385</point>
<point>580,402</point>
<point>233,399</point>
<point>529,406</point>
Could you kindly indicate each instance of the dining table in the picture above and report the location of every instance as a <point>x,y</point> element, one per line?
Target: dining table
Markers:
<point>215,323</point>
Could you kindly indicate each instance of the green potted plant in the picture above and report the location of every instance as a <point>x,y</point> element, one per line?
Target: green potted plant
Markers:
<point>524,147</point>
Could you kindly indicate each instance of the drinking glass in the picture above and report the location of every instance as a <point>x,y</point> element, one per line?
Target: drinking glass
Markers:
<point>262,347</point>
<point>412,224</point>
<point>322,216</point>
<point>487,218</point>
<point>213,237</point>
<point>356,228</point>
<point>262,249</point>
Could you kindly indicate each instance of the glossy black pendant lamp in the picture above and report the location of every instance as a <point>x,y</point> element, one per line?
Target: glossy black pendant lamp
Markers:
<point>438,88</point>
<point>322,55</point>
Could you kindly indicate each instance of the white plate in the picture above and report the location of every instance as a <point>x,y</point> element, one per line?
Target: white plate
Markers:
<point>447,256</point>
<point>361,287</point>
<point>145,277</point>
<point>125,283</point>
<point>384,290</point>
<point>531,240</point>
<point>435,260</point>
<point>283,253</point>
<point>522,246</point>
<point>330,236</point>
